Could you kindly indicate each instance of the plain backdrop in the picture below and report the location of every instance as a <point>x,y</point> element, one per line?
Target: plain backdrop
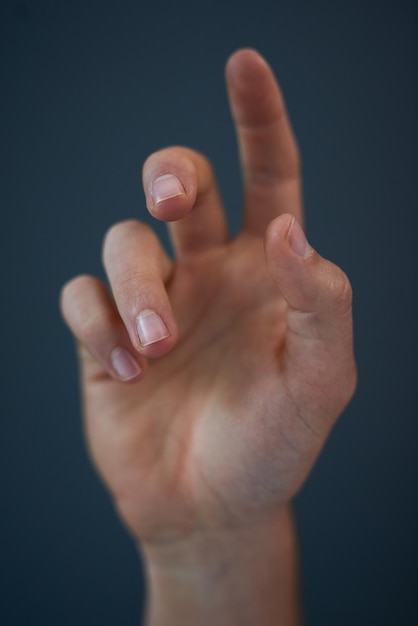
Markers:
<point>88,90</point>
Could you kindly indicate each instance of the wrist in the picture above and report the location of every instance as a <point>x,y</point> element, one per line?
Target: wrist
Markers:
<point>231,576</point>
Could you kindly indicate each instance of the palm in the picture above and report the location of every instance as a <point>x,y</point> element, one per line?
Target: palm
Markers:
<point>190,442</point>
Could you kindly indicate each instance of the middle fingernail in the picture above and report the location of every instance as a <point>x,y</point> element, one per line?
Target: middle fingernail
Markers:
<point>165,187</point>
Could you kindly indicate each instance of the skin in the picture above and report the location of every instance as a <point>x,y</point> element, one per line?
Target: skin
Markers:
<point>204,447</point>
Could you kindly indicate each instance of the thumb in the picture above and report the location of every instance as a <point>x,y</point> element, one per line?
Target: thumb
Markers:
<point>319,361</point>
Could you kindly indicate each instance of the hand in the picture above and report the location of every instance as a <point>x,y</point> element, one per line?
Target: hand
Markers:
<point>211,382</point>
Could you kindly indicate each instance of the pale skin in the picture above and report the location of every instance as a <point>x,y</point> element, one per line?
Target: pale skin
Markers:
<point>205,421</point>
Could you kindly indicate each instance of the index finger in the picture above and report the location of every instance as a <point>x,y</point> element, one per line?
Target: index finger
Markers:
<point>268,149</point>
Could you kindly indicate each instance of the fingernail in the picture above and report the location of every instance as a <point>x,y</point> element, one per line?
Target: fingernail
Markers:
<point>165,187</point>
<point>151,328</point>
<point>298,241</point>
<point>124,364</point>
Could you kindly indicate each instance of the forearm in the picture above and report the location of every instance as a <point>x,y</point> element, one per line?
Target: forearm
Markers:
<point>234,578</point>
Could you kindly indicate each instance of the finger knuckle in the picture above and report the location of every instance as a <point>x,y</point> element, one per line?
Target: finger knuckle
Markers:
<point>133,290</point>
<point>131,282</point>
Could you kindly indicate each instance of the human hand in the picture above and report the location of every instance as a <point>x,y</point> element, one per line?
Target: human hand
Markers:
<point>243,359</point>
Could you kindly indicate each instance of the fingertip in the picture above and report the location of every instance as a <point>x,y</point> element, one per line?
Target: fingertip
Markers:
<point>170,184</point>
<point>254,95</point>
<point>171,209</point>
<point>297,240</point>
<point>168,199</point>
<point>274,242</point>
<point>243,59</point>
<point>277,233</point>
<point>159,348</point>
<point>71,293</point>
<point>156,334</point>
<point>285,230</point>
<point>288,258</point>
<point>125,367</point>
<point>308,281</point>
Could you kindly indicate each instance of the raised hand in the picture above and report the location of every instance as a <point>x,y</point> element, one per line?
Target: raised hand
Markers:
<point>211,382</point>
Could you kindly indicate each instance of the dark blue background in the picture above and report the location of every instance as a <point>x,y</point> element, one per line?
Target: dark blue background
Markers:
<point>88,90</point>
